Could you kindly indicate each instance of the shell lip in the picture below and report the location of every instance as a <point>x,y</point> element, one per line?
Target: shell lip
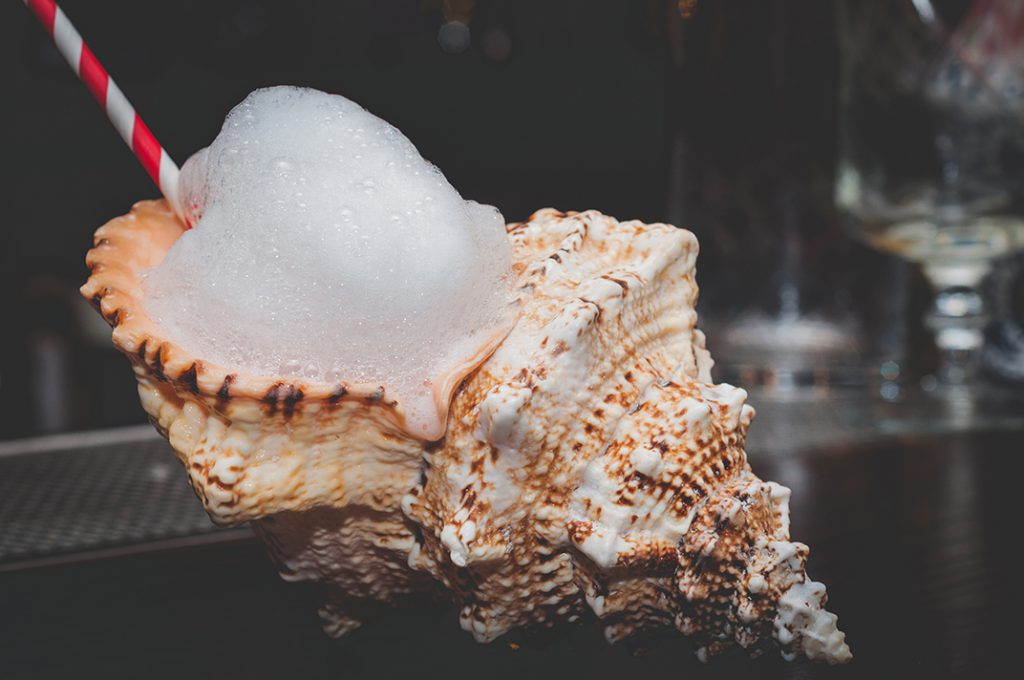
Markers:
<point>126,246</point>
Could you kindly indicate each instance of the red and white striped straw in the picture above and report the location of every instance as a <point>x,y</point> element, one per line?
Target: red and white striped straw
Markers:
<point>122,115</point>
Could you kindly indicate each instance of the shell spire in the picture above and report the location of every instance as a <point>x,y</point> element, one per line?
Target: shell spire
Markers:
<point>673,494</point>
<point>590,468</point>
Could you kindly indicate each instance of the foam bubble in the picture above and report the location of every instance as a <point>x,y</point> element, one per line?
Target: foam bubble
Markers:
<point>326,249</point>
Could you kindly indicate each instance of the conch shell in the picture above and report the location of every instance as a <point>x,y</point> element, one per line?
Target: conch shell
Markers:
<point>589,469</point>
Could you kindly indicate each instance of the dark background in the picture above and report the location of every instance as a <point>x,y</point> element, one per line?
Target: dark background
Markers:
<point>723,122</point>
<point>638,108</point>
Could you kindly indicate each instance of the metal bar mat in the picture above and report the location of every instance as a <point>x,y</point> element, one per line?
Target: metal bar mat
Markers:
<point>70,494</point>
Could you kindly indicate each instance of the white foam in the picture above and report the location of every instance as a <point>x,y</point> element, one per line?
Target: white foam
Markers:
<point>327,249</point>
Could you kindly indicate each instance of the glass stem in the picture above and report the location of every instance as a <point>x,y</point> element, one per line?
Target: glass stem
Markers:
<point>957,318</point>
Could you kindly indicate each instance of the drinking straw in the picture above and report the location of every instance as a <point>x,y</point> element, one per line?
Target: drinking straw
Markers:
<point>121,113</point>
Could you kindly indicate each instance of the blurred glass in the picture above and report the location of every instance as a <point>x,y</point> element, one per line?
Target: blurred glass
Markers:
<point>931,158</point>
<point>789,303</point>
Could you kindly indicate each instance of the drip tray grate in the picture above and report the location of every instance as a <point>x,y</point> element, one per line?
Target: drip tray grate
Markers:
<point>70,495</point>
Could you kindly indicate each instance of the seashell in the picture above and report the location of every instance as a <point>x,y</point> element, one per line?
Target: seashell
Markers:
<point>590,469</point>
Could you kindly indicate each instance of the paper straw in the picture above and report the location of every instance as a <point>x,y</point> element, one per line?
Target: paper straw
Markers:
<point>122,115</point>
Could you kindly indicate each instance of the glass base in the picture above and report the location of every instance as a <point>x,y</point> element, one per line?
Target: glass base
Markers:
<point>808,417</point>
<point>785,354</point>
<point>938,408</point>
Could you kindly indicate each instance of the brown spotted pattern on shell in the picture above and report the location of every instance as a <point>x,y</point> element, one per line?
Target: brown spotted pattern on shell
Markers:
<point>589,469</point>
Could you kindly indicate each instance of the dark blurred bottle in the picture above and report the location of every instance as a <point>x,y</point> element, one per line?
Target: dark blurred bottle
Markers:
<point>1004,346</point>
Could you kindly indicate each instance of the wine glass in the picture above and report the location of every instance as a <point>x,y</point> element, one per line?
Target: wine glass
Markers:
<point>931,163</point>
